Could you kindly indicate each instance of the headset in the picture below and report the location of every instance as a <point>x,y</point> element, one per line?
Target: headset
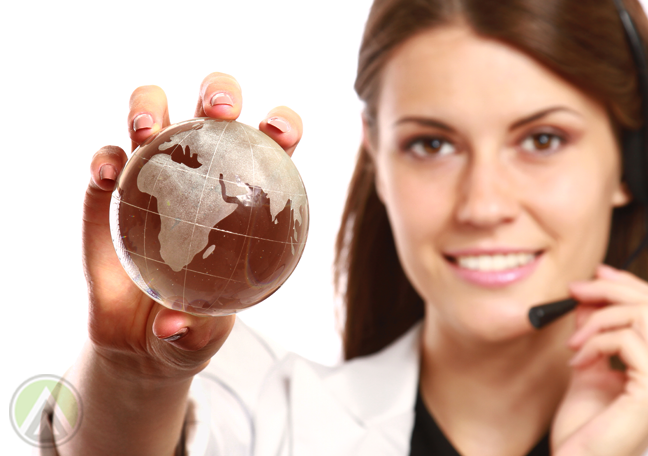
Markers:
<point>635,166</point>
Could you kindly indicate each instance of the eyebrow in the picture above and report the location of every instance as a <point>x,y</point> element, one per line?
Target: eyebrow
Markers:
<point>431,122</point>
<point>541,114</point>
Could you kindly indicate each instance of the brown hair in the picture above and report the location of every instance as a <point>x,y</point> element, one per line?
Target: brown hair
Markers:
<point>583,41</point>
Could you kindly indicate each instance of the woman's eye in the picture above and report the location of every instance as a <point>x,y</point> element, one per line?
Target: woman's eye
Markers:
<point>542,142</point>
<point>431,147</point>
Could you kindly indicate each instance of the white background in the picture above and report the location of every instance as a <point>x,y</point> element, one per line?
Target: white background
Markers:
<point>67,69</point>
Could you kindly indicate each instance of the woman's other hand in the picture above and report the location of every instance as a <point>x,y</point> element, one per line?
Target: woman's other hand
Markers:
<point>605,409</point>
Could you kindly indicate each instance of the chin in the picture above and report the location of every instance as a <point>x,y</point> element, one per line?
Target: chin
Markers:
<point>494,322</point>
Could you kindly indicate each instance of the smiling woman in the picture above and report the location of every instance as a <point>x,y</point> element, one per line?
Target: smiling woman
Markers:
<point>555,36</point>
<point>490,178</point>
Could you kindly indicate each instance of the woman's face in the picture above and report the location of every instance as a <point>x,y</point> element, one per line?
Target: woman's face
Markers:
<point>499,179</point>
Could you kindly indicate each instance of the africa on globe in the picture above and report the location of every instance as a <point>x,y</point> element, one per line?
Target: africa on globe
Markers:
<point>209,217</point>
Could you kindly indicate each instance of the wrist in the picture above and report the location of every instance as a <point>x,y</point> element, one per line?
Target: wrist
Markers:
<point>139,372</point>
<point>119,398</point>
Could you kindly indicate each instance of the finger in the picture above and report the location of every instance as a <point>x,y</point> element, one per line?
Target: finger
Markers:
<point>624,277</point>
<point>148,113</point>
<point>106,165</point>
<point>625,343</point>
<point>612,318</point>
<point>284,126</point>
<point>190,332</point>
<point>584,312</point>
<point>220,97</point>
<point>602,291</point>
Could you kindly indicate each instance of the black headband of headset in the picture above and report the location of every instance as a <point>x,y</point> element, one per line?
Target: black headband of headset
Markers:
<point>635,142</point>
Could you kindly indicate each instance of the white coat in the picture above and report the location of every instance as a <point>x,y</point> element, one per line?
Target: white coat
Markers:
<point>256,399</point>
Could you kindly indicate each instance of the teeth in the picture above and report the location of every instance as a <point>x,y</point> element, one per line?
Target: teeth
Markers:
<point>495,262</point>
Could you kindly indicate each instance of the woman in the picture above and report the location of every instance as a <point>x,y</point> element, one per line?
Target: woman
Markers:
<point>489,181</point>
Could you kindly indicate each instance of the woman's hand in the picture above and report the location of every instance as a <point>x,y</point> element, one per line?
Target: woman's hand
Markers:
<point>127,328</point>
<point>135,374</point>
<point>605,410</point>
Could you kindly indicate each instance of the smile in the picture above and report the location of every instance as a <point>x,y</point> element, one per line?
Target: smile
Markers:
<point>494,269</point>
<point>500,262</point>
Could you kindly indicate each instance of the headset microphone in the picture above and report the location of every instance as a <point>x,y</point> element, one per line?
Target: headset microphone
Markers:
<point>634,166</point>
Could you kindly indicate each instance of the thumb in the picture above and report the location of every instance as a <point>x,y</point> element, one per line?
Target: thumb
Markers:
<point>191,332</point>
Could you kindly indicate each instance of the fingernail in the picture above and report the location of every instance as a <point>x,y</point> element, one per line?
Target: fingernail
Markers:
<point>575,286</point>
<point>221,98</point>
<point>172,338</point>
<point>279,123</point>
<point>107,172</point>
<point>142,121</point>
<point>573,341</point>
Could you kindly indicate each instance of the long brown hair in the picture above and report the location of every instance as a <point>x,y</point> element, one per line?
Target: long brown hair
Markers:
<point>582,41</point>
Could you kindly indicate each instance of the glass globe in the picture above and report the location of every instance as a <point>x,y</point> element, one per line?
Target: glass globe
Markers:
<point>209,217</point>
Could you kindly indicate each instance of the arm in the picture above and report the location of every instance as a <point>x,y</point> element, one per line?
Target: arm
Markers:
<point>125,414</point>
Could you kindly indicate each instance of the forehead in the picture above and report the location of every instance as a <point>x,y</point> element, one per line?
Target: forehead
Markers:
<point>451,71</point>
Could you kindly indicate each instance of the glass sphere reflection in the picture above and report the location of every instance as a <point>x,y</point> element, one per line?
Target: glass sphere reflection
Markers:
<point>209,217</point>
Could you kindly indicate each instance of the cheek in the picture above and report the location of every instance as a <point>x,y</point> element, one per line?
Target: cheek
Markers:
<point>574,210</point>
<point>419,209</point>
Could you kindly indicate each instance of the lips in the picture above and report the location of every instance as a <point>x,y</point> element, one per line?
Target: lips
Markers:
<point>494,269</point>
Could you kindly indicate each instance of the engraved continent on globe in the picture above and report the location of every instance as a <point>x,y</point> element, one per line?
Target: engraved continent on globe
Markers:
<point>209,217</point>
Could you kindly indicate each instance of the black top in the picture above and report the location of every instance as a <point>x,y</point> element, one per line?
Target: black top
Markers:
<point>428,440</point>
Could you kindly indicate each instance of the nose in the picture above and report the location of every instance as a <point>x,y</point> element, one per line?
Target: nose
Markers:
<point>487,194</point>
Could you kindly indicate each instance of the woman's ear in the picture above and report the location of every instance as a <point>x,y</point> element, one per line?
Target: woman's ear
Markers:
<point>622,195</point>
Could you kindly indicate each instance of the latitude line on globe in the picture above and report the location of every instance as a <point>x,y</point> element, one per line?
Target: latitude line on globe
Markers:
<point>211,227</point>
<point>149,206</point>
<point>190,270</point>
<point>205,226</point>
<point>193,229</point>
<point>189,171</point>
<point>247,230</point>
<point>218,179</point>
